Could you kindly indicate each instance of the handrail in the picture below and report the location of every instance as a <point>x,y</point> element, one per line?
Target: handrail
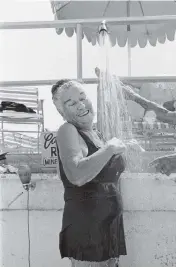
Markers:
<point>73,22</point>
<point>144,79</point>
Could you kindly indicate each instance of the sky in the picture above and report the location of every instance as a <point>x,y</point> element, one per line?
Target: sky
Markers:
<point>42,54</point>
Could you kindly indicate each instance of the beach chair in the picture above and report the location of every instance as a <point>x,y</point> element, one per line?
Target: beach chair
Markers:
<point>30,98</point>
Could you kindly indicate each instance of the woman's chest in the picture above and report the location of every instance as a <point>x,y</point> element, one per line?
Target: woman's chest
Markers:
<point>90,143</point>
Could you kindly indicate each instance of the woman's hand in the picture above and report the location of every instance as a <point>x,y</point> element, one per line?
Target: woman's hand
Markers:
<point>116,146</point>
<point>97,72</point>
<point>164,165</point>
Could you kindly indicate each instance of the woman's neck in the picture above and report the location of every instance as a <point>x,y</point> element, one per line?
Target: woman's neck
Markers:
<point>87,130</point>
<point>85,127</point>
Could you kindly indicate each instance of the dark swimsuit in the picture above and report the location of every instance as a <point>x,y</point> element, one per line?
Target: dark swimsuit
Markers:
<point>92,226</point>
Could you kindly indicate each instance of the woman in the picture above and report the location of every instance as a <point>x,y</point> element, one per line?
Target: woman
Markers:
<point>92,228</point>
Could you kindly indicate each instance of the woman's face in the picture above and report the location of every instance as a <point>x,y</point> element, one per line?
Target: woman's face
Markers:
<point>77,107</point>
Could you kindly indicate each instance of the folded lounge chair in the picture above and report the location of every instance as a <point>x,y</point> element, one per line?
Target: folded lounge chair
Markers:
<point>27,97</point>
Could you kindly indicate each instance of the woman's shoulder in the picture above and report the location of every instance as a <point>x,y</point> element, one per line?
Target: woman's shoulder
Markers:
<point>67,129</point>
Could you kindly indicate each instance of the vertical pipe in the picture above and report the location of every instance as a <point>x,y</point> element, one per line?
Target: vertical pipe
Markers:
<point>129,58</point>
<point>28,228</point>
<point>38,124</point>
<point>128,43</point>
<point>2,127</point>
<point>79,51</point>
<point>38,139</point>
<point>42,109</point>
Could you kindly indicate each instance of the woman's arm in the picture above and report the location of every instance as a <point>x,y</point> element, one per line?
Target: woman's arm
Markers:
<point>79,169</point>
<point>162,113</point>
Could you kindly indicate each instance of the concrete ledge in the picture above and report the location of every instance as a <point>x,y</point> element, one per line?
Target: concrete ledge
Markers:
<point>48,195</point>
<point>148,192</point>
<point>145,192</point>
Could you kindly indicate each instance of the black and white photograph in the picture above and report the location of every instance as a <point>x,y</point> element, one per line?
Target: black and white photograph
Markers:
<point>87,133</point>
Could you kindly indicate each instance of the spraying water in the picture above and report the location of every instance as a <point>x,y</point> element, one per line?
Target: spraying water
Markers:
<point>113,119</point>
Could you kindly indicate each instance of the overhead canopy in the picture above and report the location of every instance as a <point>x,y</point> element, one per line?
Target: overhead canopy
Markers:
<point>137,34</point>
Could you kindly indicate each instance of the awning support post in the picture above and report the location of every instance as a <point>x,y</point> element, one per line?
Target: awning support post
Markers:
<point>79,51</point>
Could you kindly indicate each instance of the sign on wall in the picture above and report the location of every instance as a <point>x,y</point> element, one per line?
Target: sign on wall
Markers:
<point>49,150</point>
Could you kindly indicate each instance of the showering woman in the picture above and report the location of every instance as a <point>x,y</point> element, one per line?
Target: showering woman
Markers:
<point>92,228</point>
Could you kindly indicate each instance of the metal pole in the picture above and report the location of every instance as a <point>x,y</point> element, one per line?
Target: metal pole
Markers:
<point>2,128</point>
<point>128,42</point>
<point>73,22</point>
<point>135,79</point>
<point>129,58</point>
<point>18,131</point>
<point>79,51</point>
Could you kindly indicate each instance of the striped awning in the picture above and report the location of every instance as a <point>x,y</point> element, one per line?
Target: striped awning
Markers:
<point>137,34</point>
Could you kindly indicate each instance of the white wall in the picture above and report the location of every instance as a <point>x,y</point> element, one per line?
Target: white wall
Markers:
<point>149,218</point>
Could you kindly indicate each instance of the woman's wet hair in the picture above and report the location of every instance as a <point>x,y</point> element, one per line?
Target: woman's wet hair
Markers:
<point>63,82</point>
<point>58,88</point>
<point>57,85</point>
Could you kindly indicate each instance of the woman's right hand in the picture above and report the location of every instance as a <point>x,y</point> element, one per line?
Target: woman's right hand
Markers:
<point>116,146</point>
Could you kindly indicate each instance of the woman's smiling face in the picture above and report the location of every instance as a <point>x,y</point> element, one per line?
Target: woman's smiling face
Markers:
<point>77,107</point>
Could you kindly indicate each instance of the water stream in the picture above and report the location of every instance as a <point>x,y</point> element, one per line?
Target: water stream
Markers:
<point>113,119</point>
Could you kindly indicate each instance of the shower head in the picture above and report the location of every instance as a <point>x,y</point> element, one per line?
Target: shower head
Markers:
<point>103,34</point>
<point>103,27</point>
